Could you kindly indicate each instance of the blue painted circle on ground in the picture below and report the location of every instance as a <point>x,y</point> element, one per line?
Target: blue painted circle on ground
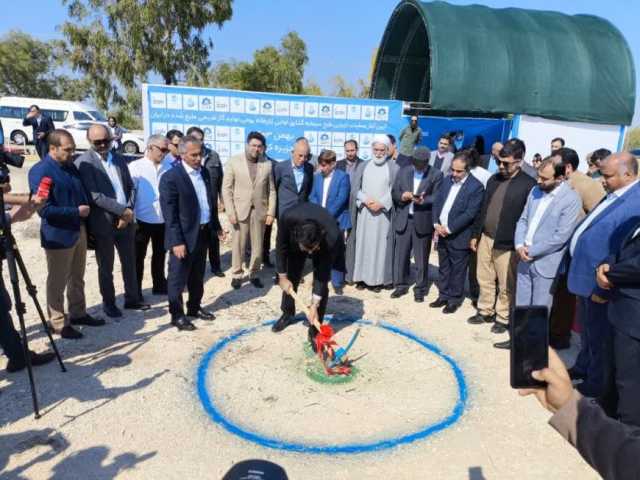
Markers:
<point>270,442</point>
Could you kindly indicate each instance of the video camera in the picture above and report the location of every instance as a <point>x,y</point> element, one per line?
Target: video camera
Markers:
<point>7,158</point>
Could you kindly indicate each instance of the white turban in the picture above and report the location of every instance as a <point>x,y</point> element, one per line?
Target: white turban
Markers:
<point>381,138</point>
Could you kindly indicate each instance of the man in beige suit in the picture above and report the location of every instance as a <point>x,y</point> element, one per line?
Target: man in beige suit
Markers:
<point>249,196</point>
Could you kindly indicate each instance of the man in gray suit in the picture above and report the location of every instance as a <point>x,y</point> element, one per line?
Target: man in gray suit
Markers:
<point>106,178</point>
<point>542,233</point>
<point>442,157</point>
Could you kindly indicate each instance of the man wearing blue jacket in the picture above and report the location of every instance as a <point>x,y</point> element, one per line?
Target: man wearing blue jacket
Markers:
<point>63,235</point>
<point>331,189</point>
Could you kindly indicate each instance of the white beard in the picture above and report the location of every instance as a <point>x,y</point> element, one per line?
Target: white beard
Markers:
<point>379,161</point>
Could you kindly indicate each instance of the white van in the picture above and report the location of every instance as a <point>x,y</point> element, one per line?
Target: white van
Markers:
<point>76,117</point>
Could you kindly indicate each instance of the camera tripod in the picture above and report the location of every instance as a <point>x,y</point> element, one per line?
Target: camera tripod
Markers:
<point>15,262</point>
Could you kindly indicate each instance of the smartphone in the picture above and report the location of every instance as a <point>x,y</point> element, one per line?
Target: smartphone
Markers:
<point>529,345</point>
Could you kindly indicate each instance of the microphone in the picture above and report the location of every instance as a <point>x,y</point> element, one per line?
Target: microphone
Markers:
<point>44,188</point>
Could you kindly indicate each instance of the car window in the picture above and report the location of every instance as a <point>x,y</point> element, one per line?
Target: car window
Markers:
<point>13,112</point>
<point>97,115</point>
<point>56,115</point>
<point>78,116</point>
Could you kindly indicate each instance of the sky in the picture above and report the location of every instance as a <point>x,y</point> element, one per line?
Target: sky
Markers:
<point>341,35</point>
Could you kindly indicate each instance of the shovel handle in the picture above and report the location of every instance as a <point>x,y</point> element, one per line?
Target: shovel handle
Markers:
<point>303,307</point>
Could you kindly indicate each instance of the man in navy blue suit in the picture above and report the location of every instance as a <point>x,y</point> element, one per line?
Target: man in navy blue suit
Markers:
<point>293,179</point>
<point>185,199</point>
<point>331,189</point>
<point>620,276</point>
<point>42,125</point>
<point>599,236</point>
<point>455,208</point>
<point>63,235</point>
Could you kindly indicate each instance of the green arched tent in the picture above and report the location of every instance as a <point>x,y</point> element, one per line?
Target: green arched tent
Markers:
<point>475,59</point>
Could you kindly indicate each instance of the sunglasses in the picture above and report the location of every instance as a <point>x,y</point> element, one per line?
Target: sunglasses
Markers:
<point>163,150</point>
<point>105,141</point>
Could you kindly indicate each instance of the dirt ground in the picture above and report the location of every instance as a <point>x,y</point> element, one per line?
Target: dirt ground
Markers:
<point>128,406</point>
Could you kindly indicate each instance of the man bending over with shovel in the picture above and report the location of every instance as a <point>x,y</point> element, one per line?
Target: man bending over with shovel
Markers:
<point>307,230</point>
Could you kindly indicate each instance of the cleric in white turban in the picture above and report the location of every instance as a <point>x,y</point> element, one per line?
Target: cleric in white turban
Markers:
<point>370,244</point>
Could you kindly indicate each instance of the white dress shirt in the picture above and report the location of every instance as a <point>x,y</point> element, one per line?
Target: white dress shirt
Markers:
<point>448,203</point>
<point>534,222</point>
<point>602,206</point>
<point>481,174</point>
<point>146,177</point>
<point>635,234</point>
<point>112,173</point>
<point>201,191</point>
<point>326,183</point>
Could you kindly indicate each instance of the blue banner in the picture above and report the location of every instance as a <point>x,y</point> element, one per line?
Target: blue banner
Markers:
<point>467,132</point>
<point>227,116</point>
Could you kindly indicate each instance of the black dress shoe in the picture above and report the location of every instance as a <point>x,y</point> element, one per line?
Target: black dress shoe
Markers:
<point>160,291</point>
<point>236,283</point>
<point>499,327</point>
<point>338,290</point>
<point>111,311</point>
<point>183,323</point>
<point>559,343</point>
<point>15,365</point>
<point>312,333</point>
<point>399,292</point>
<point>361,286</point>
<point>70,333</point>
<point>575,374</point>
<point>256,282</point>
<point>202,314</point>
<point>418,298</point>
<point>474,303</point>
<point>88,320</point>
<point>506,345</point>
<point>450,308</point>
<point>479,319</point>
<point>267,263</point>
<point>283,322</point>
<point>438,303</point>
<point>137,306</point>
<point>376,289</point>
<point>217,273</point>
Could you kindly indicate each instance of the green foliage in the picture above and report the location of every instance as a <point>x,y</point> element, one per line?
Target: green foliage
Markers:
<point>29,68</point>
<point>312,88</point>
<point>342,88</point>
<point>118,43</point>
<point>633,138</point>
<point>272,69</point>
<point>128,110</point>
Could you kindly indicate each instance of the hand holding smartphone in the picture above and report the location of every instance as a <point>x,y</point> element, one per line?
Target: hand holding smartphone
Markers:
<point>529,331</point>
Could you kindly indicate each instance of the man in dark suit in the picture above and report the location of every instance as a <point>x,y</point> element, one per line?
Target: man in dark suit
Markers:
<point>293,179</point>
<point>413,192</point>
<point>42,125</point>
<point>620,276</point>
<point>106,178</point>
<point>306,230</point>
<point>190,219</point>
<point>211,162</point>
<point>490,161</point>
<point>351,160</point>
<point>331,188</point>
<point>455,208</point>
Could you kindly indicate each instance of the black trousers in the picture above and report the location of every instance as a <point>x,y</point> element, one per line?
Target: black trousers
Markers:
<point>189,272</point>
<point>155,233</point>
<point>421,245</point>
<point>452,270</point>
<point>124,242</point>
<point>9,339</point>
<point>474,287</point>
<point>295,267</point>
<point>214,252</point>
<point>622,374</point>
<point>266,242</point>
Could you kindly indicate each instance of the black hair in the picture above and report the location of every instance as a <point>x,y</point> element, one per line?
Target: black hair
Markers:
<point>34,106</point>
<point>392,139</point>
<point>446,137</point>
<point>600,154</point>
<point>351,141</point>
<point>558,139</point>
<point>478,144</point>
<point>513,148</point>
<point>308,233</point>
<point>569,157</point>
<point>257,136</point>
<point>469,157</point>
<point>195,129</point>
<point>174,133</point>
<point>112,117</point>
<point>558,167</point>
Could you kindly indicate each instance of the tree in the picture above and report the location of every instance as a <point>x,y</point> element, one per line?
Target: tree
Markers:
<point>30,68</point>
<point>341,87</point>
<point>312,88</point>
<point>118,43</point>
<point>272,69</point>
<point>633,138</point>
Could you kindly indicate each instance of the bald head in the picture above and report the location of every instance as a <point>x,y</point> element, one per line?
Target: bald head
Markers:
<point>495,149</point>
<point>99,137</point>
<point>618,171</point>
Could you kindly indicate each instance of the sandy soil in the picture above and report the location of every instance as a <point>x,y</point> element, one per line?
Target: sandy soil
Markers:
<point>128,406</point>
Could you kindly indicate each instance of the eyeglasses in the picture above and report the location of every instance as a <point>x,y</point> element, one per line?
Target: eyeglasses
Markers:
<point>102,141</point>
<point>163,150</point>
